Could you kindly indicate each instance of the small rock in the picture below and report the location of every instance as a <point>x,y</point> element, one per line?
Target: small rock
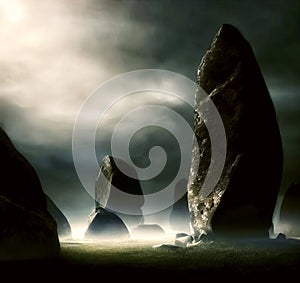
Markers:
<point>167,247</point>
<point>280,237</point>
<point>183,242</point>
<point>148,231</point>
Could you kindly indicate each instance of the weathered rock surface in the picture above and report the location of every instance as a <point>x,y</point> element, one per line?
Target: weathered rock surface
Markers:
<point>19,181</point>
<point>27,230</point>
<point>289,219</point>
<point>105,225</point>
<point>63,225</point>
<point>180,215</point>
<point>26,234</point>
<point>243,201</point>
<point>111,175</point>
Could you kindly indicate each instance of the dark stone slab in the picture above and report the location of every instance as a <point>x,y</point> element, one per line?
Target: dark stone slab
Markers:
<point>19,180</point>
<point>242,203</point>
<point>27,230</point>
<point>26,234</point>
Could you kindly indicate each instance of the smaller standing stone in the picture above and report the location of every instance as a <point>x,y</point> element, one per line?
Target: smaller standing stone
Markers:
<point>110,175</point>
<point>63,225</point>
<point>289,219</point>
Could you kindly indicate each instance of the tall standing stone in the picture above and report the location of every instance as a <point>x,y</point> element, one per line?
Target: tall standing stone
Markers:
<point>242,203</point>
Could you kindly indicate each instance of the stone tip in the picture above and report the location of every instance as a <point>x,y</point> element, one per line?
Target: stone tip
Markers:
<point>229,36</point>
<point>228,28</point>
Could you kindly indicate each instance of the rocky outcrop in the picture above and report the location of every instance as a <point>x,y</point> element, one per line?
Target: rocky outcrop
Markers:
<point>26,234</point>
<point>105,225</point>
<point>19,181</point>
<point>63,225</point>
<point>289,218</point>
<point>111,175</point>
<point>27,230</point>
<point>242,202</point>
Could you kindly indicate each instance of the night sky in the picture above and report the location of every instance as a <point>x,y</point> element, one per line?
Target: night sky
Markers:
<point>53,54</point>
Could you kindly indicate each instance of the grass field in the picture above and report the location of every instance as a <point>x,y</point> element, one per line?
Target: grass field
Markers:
<point>137,260</point>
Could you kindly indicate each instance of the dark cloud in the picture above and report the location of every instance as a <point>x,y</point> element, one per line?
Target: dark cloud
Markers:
<point>63,50</point>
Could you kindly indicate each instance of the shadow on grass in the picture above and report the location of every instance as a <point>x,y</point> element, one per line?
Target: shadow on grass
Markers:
<point>137,261</point>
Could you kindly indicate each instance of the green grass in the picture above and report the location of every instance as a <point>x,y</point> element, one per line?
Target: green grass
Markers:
<point>133,259</point>
<point>243,258</point>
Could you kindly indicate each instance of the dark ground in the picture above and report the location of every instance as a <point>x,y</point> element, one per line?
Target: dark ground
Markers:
<point>272,260</point>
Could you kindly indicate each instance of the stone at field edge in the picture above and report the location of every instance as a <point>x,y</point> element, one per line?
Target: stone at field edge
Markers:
<point>27,230</point>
